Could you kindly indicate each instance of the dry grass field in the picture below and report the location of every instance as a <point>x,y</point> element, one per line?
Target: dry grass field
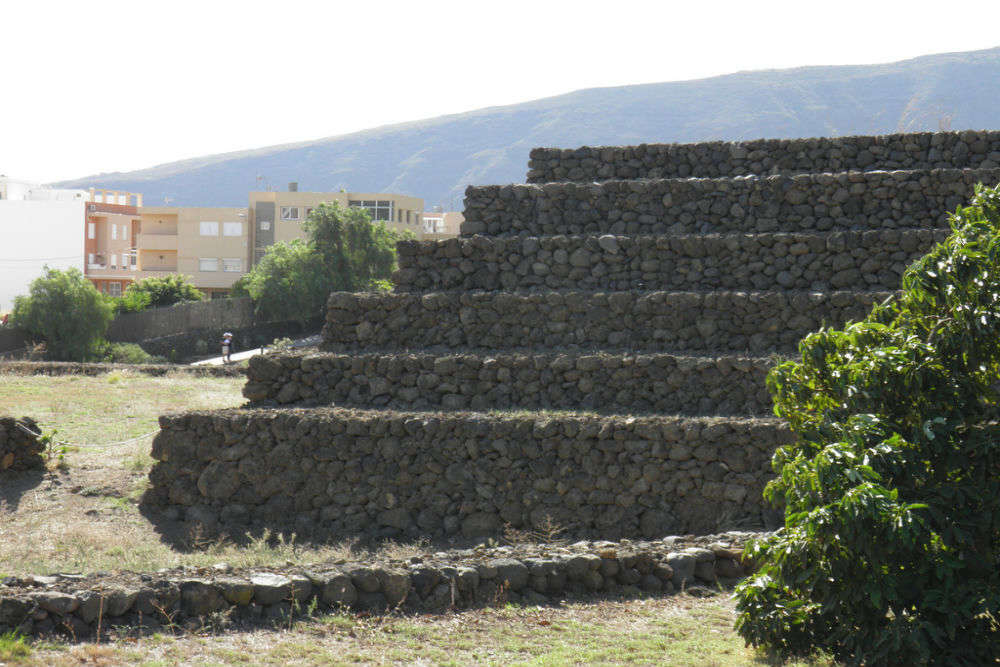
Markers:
<point>82,515</point>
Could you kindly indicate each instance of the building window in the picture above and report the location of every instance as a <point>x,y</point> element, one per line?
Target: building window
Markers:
<point>115,289</point>
<point>114,261</point>
<point>209,228</point>
<point>90,259</point>
<point>265,225</point>
<point>114,232</point>
<point>232,265</point>
<point>124,232</point>
<point>208,264</point>
<point>378,210</point>
<point>91,231</point>
<point>309,210</point>
<point>232,229</point>
<point>289,212</point>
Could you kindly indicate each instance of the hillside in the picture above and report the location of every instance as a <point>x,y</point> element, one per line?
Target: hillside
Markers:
<point>438,157</point>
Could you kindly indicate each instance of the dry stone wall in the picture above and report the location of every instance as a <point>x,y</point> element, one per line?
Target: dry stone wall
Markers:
<point>75,368</point>
<point>928,150</point>
<point>871,260</point>
<point>101,605</point>
<point>20,449</point>
<point>752,204</point>
<point>610,320</point>
<point>607,383</point>
<point>639,321</point>
<point>397,475</point>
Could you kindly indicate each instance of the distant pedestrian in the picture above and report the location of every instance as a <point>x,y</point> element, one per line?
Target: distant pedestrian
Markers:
<point>227,347</point>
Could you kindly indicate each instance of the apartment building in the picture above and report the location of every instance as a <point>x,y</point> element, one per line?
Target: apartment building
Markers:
<point>278,216</point>
<point>209,244</point>
<point>111,236</point>
<point>442,224</point>
<point>126,241</point>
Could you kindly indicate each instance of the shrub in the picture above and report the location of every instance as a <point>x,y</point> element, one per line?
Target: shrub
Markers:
<point>165,291</point>
<point>889,551</point>
<point>65,310</point>
<point>129,353</point>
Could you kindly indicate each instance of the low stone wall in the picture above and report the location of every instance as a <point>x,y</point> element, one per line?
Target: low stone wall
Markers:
<point>606,383</point>
<point>638,321</point>
<point>222,314</point>
<point>74,368</point>
<point>334,473</point>
<point>822,202</point>
<point>81,608</point>
<point>871,260</point>
<point>926,150</point>
<point>19,450</point>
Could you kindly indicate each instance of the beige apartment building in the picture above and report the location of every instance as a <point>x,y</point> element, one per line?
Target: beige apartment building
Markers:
<point>126,241</point>
<point>278,216</point>
<point>211,245</point>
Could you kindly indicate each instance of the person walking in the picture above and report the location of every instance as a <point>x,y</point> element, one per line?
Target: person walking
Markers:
<point>227,347</point>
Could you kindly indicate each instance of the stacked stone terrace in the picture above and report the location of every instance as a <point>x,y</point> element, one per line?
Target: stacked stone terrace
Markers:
<point>591,352</point>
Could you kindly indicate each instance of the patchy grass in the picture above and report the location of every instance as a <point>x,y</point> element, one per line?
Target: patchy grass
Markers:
<point>82,515</point>
<point>13,649</point>
<point>674,631</point>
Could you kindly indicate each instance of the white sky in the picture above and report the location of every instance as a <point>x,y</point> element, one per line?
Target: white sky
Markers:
<point>119,85</point>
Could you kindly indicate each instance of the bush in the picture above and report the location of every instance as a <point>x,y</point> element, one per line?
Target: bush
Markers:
<point>129,353</point>
<point>65,310</point>
<point>159,292</point>
<point>889,551</point>
<point>131,302</point>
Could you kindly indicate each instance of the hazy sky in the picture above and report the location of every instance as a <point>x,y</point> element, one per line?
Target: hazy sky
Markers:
<point>113,86</point>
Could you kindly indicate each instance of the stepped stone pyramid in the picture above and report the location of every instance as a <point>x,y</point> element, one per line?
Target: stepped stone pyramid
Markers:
<point>590,352</point>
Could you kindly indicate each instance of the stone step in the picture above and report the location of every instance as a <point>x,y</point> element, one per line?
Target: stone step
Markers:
<point>752,204</point>
<point>603,382</point>
<point>383,474</point>
<point>819,261</point>
<point>925,150</point>
<point>757,322</point>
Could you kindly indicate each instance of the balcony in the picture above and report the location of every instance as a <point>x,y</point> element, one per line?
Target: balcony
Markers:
<point>157,241</point>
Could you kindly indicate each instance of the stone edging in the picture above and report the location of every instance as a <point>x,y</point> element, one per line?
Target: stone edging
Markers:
<point>74,368</point>
<point>80,607</point>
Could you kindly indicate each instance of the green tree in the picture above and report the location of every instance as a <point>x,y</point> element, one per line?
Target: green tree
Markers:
<point>165,291</point>
<point>65,310</point>
<point>889,551</point>
<point>289,283</point>
<point>355,250</point>
<point>345,251</point>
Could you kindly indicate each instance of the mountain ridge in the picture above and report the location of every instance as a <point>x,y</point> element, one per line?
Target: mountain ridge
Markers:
<point>435,158</point>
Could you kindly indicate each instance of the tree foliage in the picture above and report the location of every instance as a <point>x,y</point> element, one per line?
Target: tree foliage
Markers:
<point>345,251</point>
<point>158,292</point>
<point>889,551</point>
<point>67,311</point>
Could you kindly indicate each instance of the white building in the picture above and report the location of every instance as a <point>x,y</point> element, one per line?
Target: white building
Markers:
<point>39,226</point>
